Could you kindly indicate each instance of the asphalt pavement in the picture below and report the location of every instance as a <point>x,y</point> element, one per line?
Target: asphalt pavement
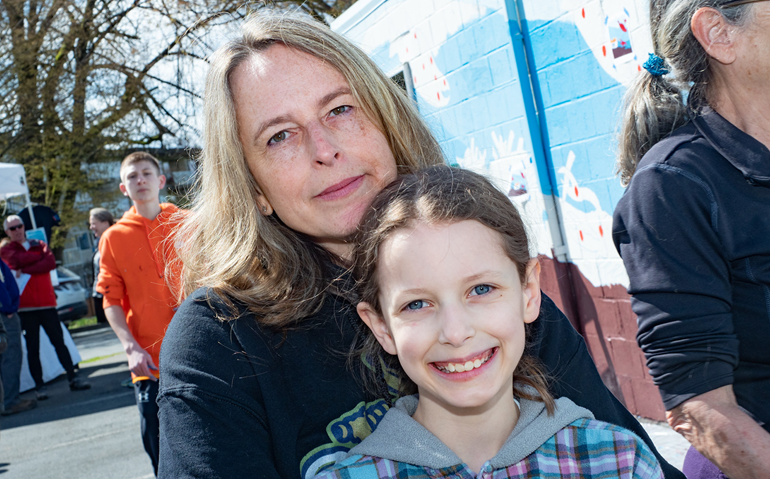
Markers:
<point>92,434</point>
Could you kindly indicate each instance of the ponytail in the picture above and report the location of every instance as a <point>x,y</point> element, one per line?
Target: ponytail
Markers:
<point>653,108</point>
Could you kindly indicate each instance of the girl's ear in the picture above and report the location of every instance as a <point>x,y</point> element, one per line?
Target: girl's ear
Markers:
<point>531,291</point>
<point>378,326</point>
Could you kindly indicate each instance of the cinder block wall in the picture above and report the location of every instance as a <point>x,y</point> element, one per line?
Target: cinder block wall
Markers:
<point>583,53</point>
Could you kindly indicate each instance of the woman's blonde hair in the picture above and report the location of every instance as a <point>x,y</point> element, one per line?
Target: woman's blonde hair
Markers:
<point>438,195</point>
<point>224,242</point>
<point>656,105</point>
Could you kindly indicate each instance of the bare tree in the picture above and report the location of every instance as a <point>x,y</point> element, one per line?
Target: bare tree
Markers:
<point>82,80</point>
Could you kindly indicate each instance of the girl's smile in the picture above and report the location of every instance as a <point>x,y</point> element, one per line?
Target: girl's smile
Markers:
<point>454,369</point>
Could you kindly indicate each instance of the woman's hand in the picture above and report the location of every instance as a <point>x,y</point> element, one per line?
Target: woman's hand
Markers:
<point>720,430</point>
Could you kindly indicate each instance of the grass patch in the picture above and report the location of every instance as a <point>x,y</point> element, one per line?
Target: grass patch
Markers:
<point>79,323</point>
<point>99,358</point>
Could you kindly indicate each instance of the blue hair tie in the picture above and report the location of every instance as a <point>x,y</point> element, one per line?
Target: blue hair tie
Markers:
<point>656,65</point>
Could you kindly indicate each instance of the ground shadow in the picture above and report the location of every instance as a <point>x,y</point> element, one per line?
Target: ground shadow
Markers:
<point>106,393</point>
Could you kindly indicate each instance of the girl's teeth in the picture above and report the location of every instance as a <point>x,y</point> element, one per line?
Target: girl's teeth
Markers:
<point>461,368</point>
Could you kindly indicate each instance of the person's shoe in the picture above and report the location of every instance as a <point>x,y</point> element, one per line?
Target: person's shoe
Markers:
<point>78,384</point>
<point>21,406</point>
<point>41,393</point>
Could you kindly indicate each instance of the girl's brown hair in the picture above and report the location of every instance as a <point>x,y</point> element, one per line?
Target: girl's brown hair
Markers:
<point>439,195</point>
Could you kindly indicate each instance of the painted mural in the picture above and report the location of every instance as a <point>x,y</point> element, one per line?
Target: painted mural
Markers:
<point>462,65</point>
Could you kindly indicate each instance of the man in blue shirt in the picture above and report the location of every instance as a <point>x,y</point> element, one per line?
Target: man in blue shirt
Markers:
<point>10,360</point>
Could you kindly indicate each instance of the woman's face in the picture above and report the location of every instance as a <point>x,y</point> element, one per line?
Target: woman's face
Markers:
<point>98,227</point>
<point>757,46</point>
<point>315,155</point>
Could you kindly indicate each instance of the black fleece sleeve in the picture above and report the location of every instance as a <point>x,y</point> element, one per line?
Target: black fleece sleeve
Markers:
<point>565,356</point>
<point>666,229</point>
<point>209,426</point>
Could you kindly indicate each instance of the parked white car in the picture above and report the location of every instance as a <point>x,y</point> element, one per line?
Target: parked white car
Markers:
<point>70,296</point>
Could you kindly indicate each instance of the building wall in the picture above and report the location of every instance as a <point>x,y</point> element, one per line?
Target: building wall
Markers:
<point>547,141</point>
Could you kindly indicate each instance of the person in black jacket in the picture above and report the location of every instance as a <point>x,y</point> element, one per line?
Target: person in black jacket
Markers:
<point>302,130</point>
<point>693,227</point>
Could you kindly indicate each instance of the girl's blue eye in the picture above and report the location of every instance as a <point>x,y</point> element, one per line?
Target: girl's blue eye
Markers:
<point>415,305</point>
<point>278,137</point>
<point>482,289</point>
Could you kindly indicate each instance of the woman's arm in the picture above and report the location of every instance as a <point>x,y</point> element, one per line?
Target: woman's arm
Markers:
<point>720,430</point>
<point>211,425</point>
<point>667,229</point>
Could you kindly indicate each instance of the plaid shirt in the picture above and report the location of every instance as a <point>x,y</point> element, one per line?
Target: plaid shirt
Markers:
<point>585,449</point>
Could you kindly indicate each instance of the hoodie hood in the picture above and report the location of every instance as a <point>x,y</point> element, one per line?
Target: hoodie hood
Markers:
<point>400,438</point>
<point>132,218</point>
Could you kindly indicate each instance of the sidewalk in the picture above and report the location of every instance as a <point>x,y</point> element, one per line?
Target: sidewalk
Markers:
<point>91,434</point>
<point>671,445</point>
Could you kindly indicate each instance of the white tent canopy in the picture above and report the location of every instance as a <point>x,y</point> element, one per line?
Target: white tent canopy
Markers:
<point>13,181</point>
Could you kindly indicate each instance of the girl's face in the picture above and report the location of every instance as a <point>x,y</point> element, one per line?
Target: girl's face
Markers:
<point>317,158</point>
<point>453,310</point>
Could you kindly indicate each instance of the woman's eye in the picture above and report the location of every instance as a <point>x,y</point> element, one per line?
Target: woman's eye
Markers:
<point>339,110</point>
<point>415,305</point>
<point>481,289</point>
<point>278,137</point>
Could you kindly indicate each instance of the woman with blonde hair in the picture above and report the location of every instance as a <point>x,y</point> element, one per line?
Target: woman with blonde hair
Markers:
<point>302,130</point>
<point>693,227</point>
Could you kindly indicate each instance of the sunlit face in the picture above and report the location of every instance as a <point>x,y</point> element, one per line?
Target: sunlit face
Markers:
<point>454,310</point>
<point>98,227</point>
<point>755,46</point>
<point>141,182</point>
<point>15,231</point>
<point>316,157</point>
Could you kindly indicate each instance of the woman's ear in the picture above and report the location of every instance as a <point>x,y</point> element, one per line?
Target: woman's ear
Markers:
<point>264,205</point>
<point>531,291</point>
<point>714,34</point>
<point>379,327</point>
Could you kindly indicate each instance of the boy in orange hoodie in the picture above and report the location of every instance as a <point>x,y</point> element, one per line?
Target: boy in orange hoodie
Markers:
<point>137,301</point>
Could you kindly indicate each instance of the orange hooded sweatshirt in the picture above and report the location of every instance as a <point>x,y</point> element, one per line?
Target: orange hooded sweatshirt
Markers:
<point>132,271</point>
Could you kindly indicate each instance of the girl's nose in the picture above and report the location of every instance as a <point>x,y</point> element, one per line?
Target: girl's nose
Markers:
<point>456,326</point>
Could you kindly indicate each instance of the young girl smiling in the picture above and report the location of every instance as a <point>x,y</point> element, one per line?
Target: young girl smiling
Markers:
<point>448,289</point>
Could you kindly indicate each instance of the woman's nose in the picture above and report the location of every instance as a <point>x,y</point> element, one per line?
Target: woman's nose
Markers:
<point>323,145</point>
<point>456,326</point>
